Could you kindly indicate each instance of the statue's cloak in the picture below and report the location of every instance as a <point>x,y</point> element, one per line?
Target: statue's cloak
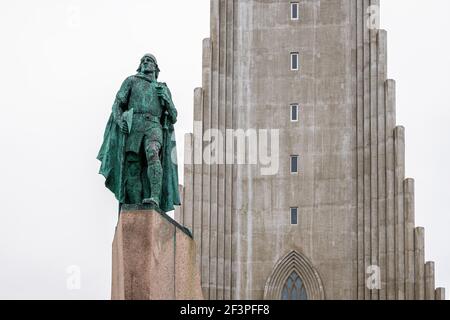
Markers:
<point>112,158</point>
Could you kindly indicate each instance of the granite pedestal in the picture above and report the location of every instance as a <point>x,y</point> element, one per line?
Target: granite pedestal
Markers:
<point>153,258</point>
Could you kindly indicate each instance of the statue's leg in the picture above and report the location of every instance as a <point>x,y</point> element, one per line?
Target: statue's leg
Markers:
<point>154,170</point>
<point>134,183</point>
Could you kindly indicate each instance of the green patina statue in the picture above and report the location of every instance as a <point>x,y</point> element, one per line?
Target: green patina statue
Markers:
<point>138,155</point>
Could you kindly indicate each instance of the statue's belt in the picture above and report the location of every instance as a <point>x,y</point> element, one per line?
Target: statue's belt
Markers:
<point>147,116</point>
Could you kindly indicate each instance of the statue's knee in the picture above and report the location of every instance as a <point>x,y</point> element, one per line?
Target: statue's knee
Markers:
<point>153,153</point>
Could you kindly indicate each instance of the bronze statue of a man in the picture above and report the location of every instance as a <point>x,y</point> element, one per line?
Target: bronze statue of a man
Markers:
<point>139,149</point>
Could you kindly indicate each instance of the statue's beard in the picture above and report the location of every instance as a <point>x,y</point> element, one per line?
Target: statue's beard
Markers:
<point>149,72</point>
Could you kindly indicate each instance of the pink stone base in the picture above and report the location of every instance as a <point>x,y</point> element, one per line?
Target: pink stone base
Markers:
<point>153,259</point>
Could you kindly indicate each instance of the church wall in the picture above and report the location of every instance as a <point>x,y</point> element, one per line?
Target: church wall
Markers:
<point>356,209</point>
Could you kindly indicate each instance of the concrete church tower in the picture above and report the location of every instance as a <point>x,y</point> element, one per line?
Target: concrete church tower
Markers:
<point>340,205</point>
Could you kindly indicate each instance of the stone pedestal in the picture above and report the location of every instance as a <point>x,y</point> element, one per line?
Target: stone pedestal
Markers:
<point>153,259</point>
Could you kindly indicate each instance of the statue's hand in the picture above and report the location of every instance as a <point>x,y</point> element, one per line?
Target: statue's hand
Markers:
<point>162,93</point>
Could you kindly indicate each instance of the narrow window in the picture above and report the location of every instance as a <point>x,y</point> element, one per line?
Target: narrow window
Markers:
<point>294,61</point>
<point>294,216</point>
<point>294,164</point>
<point>294,112</point>
<point>294,11</point>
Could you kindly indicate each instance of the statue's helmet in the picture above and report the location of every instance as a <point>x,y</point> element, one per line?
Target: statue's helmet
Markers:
<point>153,58</point>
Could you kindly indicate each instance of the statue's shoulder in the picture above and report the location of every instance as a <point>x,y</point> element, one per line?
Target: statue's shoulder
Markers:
<point>163,84</point>
<point>131,79</point>
<point>128,82</point>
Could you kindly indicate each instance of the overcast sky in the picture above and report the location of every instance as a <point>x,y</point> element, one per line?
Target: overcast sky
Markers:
<point>61,63</point>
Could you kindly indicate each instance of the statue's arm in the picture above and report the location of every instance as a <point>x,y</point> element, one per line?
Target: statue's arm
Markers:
<point>171,110</point>
<point>121,103</point>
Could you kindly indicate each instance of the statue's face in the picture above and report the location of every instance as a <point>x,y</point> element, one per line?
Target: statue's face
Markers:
<point>148,66</point>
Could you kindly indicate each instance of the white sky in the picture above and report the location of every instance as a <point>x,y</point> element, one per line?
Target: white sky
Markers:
<point>61,63</point>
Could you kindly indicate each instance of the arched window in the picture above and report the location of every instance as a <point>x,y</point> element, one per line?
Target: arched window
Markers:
<point>294,278</point>
<point>294,289</point>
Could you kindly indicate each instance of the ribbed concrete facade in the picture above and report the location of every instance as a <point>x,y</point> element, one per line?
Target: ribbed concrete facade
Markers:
<point>356,208</point>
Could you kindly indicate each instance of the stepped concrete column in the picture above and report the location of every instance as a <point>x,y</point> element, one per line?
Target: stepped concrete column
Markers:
<point>430,291</point>
<point>440,294</point>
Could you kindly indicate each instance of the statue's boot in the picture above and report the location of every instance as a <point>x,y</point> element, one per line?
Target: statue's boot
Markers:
<point>155,173</point>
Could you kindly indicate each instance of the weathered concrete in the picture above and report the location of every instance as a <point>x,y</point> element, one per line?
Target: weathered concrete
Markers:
<point>409,238</point>
<point>381,157</point>
<point>440,294</point>
<point>188,189</point>
<point>419,264</point>
<point>153,259</point>
<point>179,210</point>
<point>356,210</point>
<point>430,292</point>
<point>206,171</point>
<point>390,188</point>
<point>399,157</point>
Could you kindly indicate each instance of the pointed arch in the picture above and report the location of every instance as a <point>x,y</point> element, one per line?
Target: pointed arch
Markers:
<point>294,263</point>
